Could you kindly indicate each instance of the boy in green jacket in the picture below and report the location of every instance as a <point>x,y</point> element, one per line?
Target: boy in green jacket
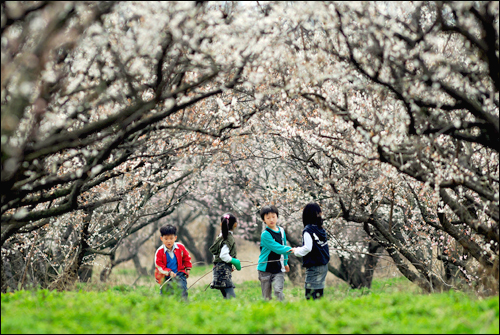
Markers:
<point>273,259</point>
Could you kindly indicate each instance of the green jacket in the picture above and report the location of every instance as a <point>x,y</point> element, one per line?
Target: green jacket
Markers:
<point>216,248</point>
<point>268,245</point>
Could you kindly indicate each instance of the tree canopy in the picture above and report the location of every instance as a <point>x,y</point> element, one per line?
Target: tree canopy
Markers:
<point>114,114</point>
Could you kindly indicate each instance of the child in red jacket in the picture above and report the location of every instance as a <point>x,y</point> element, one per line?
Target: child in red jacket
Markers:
<point>172,262</point>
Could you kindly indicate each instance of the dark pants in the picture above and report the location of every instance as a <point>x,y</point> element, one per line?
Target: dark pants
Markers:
<point>315,294</point>
<point>228,293</point>
<point>175,284</point>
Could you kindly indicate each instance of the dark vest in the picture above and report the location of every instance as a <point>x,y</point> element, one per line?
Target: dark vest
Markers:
<point>320,254</point>
<point>274,267</point>
<point>216,248</point>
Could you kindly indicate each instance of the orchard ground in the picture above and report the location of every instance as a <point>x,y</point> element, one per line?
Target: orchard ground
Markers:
<point>125,273</point>
<point>391,306</point>
<point>127,305</point>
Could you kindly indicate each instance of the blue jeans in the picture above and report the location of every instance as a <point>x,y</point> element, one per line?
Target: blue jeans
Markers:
<point>180,281</point>
<point>315,277</point>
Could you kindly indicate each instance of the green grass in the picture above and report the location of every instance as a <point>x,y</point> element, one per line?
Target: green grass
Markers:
<point>391,306</point>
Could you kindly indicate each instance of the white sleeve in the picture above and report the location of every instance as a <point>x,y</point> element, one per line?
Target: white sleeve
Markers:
<point>224,254</point>
<point>307,247</point>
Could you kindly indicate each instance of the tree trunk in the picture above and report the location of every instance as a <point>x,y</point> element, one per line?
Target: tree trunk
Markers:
<point>106,272</point>
<point>371,261</point>
<point>423,278</point>
<point>4,277</point>
<point>12,266</point>
<point>70,275</point>
<point>138,267</point>
<point>187,239</point>
<point>85,273</point>
<point>209,239</point>
<point>296,273</point>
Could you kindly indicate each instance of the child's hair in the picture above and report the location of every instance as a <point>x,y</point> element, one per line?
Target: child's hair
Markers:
<point>268,209</point>
<point>227,222</point>
<point>168,230</point>
<point>312,215</point>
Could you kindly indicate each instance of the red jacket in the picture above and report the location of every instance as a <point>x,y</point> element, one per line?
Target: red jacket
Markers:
<point>183,261</point>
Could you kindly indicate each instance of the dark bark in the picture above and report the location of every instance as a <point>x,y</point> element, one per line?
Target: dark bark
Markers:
<point>297,272</point>
<point>85,273</point>
<point>70,274</point>
<point>186,238</point>
<point>141,270</point>
<point>358,271</point>
<point>209,239</point>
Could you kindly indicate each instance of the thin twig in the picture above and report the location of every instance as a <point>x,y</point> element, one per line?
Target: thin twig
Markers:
<point>166,281</point>
<point>176,274</point>
<point>199,279</point>
<point>278,260</point>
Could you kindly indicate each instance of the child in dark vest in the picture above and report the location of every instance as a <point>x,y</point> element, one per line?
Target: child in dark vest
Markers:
<point>172,262</point>
<point>224,251</point>
<point>273,259</point>
<point>315,253</point>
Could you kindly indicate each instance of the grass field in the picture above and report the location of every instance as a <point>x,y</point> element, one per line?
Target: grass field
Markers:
<point>391,306</point>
